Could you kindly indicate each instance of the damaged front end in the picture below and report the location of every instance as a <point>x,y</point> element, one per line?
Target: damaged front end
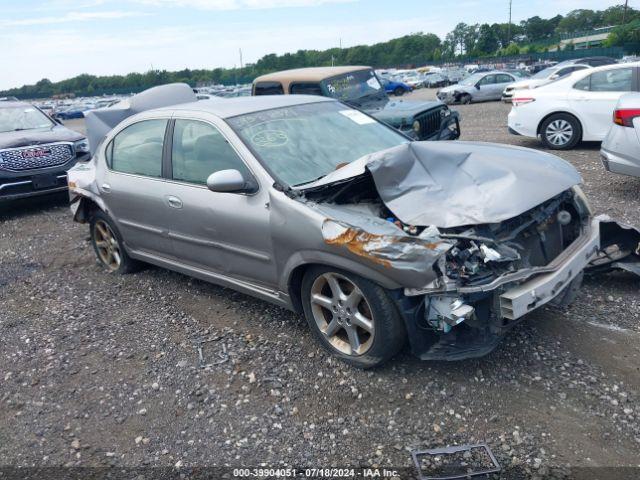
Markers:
<point>467,283</point>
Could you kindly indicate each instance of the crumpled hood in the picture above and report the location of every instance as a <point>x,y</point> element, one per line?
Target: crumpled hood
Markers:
<point>451,184</point>
<point>23,138</point>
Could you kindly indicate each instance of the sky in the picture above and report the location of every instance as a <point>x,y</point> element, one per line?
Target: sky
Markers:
<point>58,39</point>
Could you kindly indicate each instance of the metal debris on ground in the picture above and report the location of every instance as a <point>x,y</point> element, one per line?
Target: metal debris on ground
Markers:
<point>456,462</point>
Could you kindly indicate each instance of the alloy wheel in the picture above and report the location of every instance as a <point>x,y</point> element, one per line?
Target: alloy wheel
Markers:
<point>559,132</point>
<point>342,314</point>
<point>107,245</point>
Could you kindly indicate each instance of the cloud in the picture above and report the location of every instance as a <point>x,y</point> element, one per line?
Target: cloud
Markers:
<point>239,4</point>
<point>71,17</point>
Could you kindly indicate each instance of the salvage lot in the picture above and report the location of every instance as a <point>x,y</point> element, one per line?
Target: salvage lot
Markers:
<point>104,370</point>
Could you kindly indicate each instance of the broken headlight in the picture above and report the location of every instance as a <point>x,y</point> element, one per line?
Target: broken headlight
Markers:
<point>581,200</point>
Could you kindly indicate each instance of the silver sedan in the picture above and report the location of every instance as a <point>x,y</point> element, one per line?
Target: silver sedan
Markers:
<point>312,205</point>
<point>620,151</point>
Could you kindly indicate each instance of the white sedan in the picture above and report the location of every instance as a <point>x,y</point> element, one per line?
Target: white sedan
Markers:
<point>543,77</point>
<point>576,108</point>
<point>621,148</point>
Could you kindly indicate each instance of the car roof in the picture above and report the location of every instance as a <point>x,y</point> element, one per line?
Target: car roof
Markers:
<point>493,72</point>
<point>234,106</point>
<point>12,104</point>
<point>612,66</point>
<point>311,74</point>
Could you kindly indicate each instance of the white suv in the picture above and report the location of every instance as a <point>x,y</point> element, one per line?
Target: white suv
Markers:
<point>576,108</point>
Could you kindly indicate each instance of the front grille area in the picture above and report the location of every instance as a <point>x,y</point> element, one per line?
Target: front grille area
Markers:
<point>532,239</point>
<point>36,156</point>
<point>430,122</point>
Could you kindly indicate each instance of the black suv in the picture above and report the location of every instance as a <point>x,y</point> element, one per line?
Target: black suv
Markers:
<point>35,151</point>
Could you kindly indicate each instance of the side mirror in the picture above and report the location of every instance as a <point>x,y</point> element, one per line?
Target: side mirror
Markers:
<point>477,86</point>
<point>230,181</point>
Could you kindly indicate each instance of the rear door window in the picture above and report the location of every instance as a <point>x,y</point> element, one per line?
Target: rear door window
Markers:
<point>305,89</point>
<point>268,88</point>
<point>616,80</point>
<point>138,149</point>
<point>505,78</point>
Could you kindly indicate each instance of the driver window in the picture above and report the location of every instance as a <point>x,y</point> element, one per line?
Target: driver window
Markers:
<point>199,150</point>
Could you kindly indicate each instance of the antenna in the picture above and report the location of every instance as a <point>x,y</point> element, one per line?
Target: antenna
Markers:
<point>624,12</point>
<point>509,27</point>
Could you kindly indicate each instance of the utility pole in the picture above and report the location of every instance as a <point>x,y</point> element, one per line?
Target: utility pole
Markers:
<point>509,27</point>
<point>241,64</point>
<point>624,12</point>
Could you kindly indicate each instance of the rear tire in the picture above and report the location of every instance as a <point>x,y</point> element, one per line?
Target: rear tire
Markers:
<point>560,131</point>
<point>352,317</point>
<point>108,245</point>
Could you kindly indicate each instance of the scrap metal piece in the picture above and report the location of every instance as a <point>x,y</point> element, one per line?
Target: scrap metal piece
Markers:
<point>100,121</point>
<point>494,468</point>
<point>619,247</point>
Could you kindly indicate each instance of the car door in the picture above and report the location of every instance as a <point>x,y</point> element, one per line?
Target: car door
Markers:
<point>502,80</point>
<point>228,233</point>
<point>485,87</point>
<point>132,187</point>
<point>595,96</point>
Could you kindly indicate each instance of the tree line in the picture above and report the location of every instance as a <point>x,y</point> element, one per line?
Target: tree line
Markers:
<point>534,34</point>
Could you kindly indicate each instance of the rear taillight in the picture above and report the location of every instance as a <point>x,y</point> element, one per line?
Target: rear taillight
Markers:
<point>522,101</point>
<point>625,116</point>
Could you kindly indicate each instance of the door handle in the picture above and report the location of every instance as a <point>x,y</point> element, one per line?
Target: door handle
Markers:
<point>106,188</point>
<point>174,202</point>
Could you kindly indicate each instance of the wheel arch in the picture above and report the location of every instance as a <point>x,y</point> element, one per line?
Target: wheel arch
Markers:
<point>86,207</point>
<point>300,263</point>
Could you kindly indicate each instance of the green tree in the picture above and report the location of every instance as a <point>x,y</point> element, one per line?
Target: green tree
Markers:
<point>623,34</point>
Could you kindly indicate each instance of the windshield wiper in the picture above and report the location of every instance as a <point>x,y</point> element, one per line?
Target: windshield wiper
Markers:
<point>310,181</point>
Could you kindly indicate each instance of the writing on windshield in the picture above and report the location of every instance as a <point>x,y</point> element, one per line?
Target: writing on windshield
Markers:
<point>352,85</point>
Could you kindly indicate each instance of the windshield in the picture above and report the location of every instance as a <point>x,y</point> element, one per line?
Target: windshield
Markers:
<point>303,143</point>
<point>473,79</point>
<point>547,72</point>
<point>352,85</point>
<point>22,118</point>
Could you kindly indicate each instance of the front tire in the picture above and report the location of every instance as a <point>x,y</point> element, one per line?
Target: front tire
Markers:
<point>560,131</point>
<point>352,317</point>
<point>398,92</point>
<point>108,245</point>
<point>465,99</point>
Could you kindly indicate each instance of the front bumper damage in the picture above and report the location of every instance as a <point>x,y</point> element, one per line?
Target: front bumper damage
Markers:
<point>493,309</point>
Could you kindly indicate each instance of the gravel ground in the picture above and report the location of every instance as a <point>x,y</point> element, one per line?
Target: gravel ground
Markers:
<point>103,370</point>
